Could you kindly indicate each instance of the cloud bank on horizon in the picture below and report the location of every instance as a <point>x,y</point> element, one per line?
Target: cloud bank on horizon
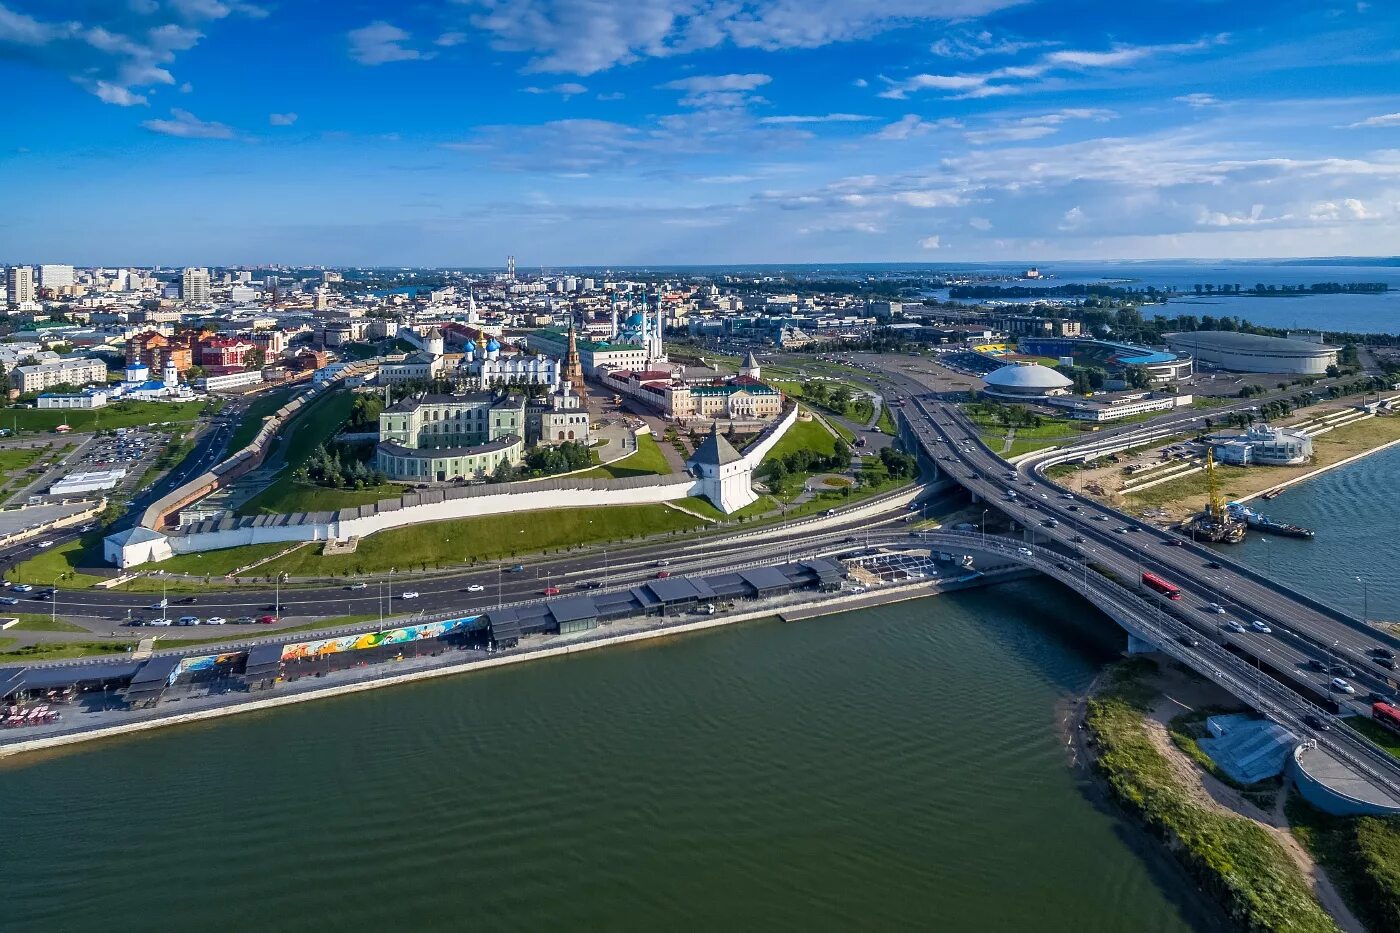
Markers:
<point>662,131</point>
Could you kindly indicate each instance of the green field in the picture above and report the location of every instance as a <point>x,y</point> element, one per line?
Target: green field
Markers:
<point>119,415</point>
<point>16,459</point>
<point>58,651</point>
<point>33,622</point>
<point>258,411</point>
<point>315,426</point>
<point>446,544</point>
<point>46,566</point>
<point>1376,733</point>
<point>648,460</point>
<point>804,435</point>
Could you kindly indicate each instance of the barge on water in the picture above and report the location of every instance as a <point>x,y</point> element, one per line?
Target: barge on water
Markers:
<point>1261,522</point>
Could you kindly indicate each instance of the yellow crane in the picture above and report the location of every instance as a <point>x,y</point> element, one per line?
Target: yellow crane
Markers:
<point>1215,500</point>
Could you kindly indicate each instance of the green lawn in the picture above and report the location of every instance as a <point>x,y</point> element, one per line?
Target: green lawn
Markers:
<point>804,435</point>
<point>58,651</point>
<point>262,406</point>
<point>1376,733</point>
<point>1193,485</point>
<point>64,559</point>
<point>886,422</point>
<point>486,538</point>
<point>119,415</point>
<point>292,496</point>
<point>16,459</point>
<point>647,461</point>
<point>316,425</point>
<point>33,622</point>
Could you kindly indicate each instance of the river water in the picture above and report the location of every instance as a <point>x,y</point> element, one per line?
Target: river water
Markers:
<point>896,768</point>
<point>1351,562</point>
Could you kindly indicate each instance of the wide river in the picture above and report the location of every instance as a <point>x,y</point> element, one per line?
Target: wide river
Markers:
<point>897,768</point>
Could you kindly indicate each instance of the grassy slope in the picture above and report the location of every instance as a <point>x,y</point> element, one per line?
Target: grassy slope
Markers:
<point>309,430</point>
<point>485,538</point>
<point>257,412</point>
<point>62,650</point>
<point>648,460</point>
<point>804,435</point>
<point>1233,858</point>
<point>1362,857</point>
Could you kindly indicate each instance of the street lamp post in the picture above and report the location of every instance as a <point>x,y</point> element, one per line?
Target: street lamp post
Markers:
<point>984,527</point>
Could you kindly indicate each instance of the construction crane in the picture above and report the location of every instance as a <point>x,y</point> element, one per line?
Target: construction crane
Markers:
<point>1215,500</point>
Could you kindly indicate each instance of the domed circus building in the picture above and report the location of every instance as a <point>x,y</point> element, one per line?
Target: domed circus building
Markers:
<point>1026,382</point>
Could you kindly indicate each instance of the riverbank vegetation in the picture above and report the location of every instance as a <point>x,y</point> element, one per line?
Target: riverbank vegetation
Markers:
<point>1234,859</point>
<point>1360,854</point>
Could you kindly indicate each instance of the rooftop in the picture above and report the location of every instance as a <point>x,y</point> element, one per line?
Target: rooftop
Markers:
<point>1235,340</point>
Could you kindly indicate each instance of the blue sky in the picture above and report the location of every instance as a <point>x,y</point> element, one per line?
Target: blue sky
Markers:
<point>453,132</point>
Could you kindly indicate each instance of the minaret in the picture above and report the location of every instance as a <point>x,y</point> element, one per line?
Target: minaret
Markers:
<point>614,317</point>
<point>573,366</point>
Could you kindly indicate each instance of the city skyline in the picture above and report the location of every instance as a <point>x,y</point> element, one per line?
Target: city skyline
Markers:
<point>210,133</point>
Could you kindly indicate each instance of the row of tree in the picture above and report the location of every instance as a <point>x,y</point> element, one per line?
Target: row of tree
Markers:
<point>776,472</point>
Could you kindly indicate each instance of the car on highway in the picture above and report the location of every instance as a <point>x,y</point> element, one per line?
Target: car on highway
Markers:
<point>1066,495</point>
<point>358,586</point>
<point>189,600</point>
<point>1025,552</point>
<point>1234,626</point>
<point>1213,565</point>
<point>1189,641</point>
<point>1100,518</point>
<point>662,574</point>
<point>1387,663</point>
<point>1382,653</point>
<point>476,588</point>
<point>48,542</point>
<point>42,597</point>
<point>1343,670</point>
<point>409,594</point>
<point>216,620</point>
<point>159,604</point>
<point>1078,539</point>
<point>1215,608</point>
<point>518,568</point>
<point>188,620</point>
<point>267,620</point>
<point>1313,664</point>
<point>9,600</point>
<point>1260,627</point>
<point>554,590</point>
<point>1072,508</point>
<point>1341,686</point>
<point>1314,721</point>
<point>1120,531</point>
<point>22,588</point>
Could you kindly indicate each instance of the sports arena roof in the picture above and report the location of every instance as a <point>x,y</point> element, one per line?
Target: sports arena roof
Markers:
<point>1033,377</point>
<point>1258,343</point>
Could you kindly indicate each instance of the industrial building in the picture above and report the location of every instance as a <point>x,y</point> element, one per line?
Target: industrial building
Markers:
<point>1255,353</point>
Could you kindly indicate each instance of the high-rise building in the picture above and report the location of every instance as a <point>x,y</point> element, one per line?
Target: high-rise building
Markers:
<point>194,284</point>
<point>55,276</point>
<point>510,268</point>
<point>19,282</point>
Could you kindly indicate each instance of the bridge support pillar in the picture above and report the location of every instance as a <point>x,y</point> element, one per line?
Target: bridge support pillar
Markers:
<point>1139,645</point>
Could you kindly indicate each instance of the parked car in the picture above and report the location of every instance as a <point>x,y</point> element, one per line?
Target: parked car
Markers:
<point>216,620</point>
<point>244,620</point>
<point>160,623</point>
<point>189,620</point>
<point>267,620</point>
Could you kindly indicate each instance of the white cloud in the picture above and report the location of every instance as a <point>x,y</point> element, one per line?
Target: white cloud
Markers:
<point>911,125</point>
<point>821,118</point>
<point>931,198</point>
<point>1385,119</point>
<point>1198,100</point>
<point>450,39</point>
<point>588,36</point>
<point>970,45</point>
<point>718,92</point>
<point>281,119</point>
<point>931,242</point>
<point>115,51</point>
<point>380,43</point>
<point>1254,218</point>
<point>566,90</point>
<point>1073,219</point>
<point>1037,126</point>
<point>979,223</point>
<point>187,126</point>
<point>1348,209</point>
<point>1018,79</point>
